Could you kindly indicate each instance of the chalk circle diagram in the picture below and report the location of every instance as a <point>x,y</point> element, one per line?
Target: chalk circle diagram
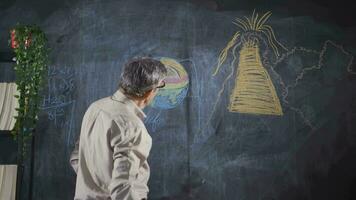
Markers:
<point>177,84</point>
<point>254,91</point>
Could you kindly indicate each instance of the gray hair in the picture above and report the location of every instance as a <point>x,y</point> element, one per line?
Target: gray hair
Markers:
<point>141,75</point>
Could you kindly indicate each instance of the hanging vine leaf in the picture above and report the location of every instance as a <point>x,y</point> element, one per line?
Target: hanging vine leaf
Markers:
<point>30,46</point>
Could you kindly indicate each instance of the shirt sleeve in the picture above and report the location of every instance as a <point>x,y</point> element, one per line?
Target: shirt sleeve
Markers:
<point>125,163</point>
<point>74,157</point>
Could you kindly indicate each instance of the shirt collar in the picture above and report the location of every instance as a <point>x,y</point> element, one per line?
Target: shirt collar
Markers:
<point>121,97</point>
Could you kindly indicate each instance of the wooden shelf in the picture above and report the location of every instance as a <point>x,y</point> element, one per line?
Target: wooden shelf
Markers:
<point>6,56</point>
<point>7,72</point>
<point>8,153</point>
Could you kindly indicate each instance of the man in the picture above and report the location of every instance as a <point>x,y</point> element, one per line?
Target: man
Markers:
<point>111,158</point>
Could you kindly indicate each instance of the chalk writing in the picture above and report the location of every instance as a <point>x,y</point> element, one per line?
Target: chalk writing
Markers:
<point>58,99</point>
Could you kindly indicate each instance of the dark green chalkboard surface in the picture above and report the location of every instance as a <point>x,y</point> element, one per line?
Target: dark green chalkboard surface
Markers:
<point>301,146</point>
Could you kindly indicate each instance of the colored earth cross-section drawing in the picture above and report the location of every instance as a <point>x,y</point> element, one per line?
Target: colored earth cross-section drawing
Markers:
<point>176,89</point>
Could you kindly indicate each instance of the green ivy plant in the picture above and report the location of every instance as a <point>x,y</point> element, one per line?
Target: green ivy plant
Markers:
<point>31,55</point>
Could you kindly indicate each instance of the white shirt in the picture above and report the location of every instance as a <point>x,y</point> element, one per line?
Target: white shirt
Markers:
<point>111,158</point>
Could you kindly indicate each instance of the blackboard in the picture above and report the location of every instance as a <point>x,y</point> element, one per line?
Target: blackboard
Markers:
<point>201,150</point>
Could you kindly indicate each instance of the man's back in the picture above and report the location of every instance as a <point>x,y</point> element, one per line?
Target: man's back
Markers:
<point>113,150</point>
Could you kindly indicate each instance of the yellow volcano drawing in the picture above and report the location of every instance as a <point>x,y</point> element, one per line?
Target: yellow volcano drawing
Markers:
<point>254,91</point>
